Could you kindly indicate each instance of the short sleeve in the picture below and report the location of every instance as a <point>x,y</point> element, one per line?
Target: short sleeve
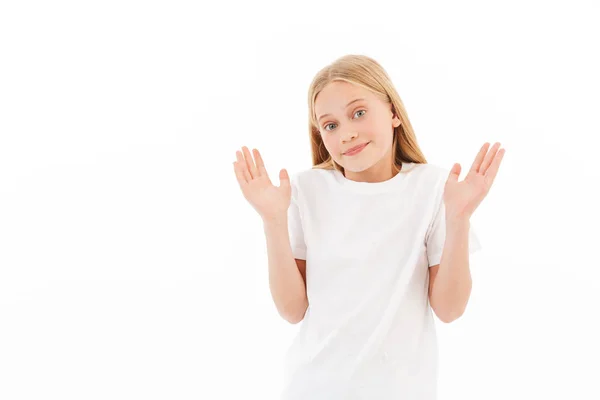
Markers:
<point>295,229</point>
<point>436,236</point>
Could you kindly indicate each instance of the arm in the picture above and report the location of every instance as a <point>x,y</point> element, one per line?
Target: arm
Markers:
<point>451,288</point>
<point>450,281</point>
<point>287,281</point>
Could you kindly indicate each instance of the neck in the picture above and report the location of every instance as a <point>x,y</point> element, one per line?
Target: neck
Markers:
<point>380,172</point>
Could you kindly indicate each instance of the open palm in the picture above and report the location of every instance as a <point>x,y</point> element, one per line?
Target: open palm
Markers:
<point>461,199</point>
<point>270,201</point>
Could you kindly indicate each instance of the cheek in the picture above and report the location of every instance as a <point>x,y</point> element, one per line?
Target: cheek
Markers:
<point>330,144</point>
<point>382,134</point>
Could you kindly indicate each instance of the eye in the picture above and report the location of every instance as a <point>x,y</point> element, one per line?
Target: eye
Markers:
<point>325,127</point>
<point>360,111</point>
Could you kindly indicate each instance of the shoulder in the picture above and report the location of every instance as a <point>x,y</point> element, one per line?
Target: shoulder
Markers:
<point>312,173</point>
<point>430,168</point>
<point>429,183</point>
<point>312,178</point>
<point>431,175</point>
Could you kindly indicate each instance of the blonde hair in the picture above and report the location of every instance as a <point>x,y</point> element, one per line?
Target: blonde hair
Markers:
<point>368,73</point>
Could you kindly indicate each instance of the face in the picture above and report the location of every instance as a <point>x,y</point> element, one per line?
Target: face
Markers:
<point>345,122</point>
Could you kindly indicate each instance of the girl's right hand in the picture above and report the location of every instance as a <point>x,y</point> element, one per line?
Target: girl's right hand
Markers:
<point>271,202</point>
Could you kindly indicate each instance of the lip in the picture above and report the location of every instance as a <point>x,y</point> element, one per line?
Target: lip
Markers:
<point>356,149</point>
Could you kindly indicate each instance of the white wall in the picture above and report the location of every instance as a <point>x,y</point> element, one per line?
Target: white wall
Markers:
<point>130,264</point>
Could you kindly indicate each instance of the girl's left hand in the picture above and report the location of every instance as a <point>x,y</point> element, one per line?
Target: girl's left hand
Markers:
<point>461,199</point>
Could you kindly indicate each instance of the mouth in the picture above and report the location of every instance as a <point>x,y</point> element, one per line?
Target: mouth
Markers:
<point>355,150</point>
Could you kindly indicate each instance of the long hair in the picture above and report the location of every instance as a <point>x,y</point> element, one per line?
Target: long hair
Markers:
<point>368,73</point>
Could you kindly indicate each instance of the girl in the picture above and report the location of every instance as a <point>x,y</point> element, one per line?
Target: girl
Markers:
<point>367,244</point>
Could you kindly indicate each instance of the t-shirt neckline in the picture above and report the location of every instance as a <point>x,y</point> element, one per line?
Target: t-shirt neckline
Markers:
<point>389,185</point>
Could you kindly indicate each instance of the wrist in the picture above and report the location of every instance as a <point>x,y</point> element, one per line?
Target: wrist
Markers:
<point>275,220</point>
<point>457,223</point>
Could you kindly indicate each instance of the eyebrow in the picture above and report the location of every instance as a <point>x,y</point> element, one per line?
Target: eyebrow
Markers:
<point>353,101</point>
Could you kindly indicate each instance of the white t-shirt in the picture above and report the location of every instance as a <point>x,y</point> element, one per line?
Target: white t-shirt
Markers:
<point>368,332</point>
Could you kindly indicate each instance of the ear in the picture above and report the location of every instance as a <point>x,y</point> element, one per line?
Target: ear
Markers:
<point>395,120</point>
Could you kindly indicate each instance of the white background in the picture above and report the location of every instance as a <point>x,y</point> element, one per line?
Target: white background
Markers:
<point>131,266</point>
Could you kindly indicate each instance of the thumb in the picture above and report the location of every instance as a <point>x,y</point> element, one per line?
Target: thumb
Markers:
<point>284,179</point>
<point>454,173</point>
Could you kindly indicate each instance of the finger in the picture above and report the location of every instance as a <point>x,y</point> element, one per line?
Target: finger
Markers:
<point>239,174</point>
<point>284,178</point>
<point>454,173</point>
<point>479,158</point>
<point>493,170</point>
<point>260,164</point>
<point>488,158</point>
<point>250,163</point>
<point>243,166</point>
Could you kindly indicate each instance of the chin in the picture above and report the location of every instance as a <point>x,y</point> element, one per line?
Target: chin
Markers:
<point>356,167</point>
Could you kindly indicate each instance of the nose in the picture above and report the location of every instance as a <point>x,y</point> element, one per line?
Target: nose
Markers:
<point>348,136</point>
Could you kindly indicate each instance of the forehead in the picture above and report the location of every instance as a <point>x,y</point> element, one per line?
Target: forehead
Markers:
<point>337,94</point>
